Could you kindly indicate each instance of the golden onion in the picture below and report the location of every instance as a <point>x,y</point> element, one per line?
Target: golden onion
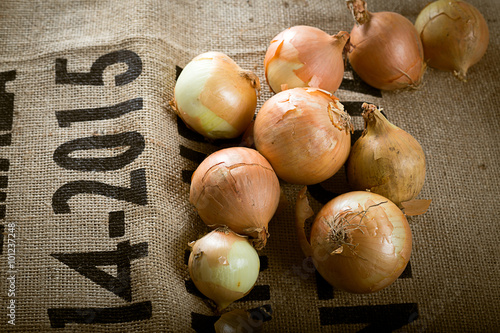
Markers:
<point>224,266</point>
<point>304,56</point>
<point>454,35</point>
<point>386,159</point>
<point>304,133</point>
<point>360,241</point>
<point>215,97</point>
<point>238,188</point>
<point>386,51</point>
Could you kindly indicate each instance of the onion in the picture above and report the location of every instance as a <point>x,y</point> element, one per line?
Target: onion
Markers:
<point>304,56</point>
<point>360,241</point>
<point>386,51</point>
<point>238,188</point>
<point>386,160</point>
<point>304,133</point>
<point>454,35</point>
<point>224,266</point>
<point>215,97</point>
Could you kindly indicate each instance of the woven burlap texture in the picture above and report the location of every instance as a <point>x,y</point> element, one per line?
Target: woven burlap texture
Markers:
<point>452,284</point>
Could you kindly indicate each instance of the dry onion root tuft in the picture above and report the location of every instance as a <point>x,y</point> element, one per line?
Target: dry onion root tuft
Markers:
<point>454,35</point>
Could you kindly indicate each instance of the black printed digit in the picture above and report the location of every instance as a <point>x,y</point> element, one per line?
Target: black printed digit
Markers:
<point>136,193</point>
<point>95,76</point>
<point>86,264</point>
<point>65,118</point>
<point>59,317</point>
<point>133,140</point>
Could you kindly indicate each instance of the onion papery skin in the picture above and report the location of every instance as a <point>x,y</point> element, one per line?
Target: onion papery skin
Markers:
<point>238,188</point>
<point>386,159</point>
<point>215,97</point>
<point>454,35</point>
<point>386,51</point>
<point>224,266</point>
<point>304,56</point>
<point>360,242</point>
<point>304,133</point>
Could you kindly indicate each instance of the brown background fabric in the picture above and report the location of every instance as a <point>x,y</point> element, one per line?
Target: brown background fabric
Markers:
<point>64,239</point>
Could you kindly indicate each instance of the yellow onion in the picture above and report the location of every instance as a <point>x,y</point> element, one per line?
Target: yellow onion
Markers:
<point>215,97</point>
<point>238,188</point>
<point>360,241</point>
<point>224,266</point>
<point>304,56</point>
<point>454,35</point>
<point>386,51</point>
<point>386,159</point>
<point>304,133</point>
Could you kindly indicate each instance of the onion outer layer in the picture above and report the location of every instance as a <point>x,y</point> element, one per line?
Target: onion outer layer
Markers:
<point>360,241</point>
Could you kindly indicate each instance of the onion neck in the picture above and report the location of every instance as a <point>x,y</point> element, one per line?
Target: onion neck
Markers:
<point>253,79</point>
<point>375,120</point>
<point>358,11</point>
<point>341,40</point>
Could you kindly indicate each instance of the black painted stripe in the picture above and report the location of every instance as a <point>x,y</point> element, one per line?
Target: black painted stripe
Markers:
<point>2,230</point>
<point>59,317</point>
<point>390,316</point>
<point>191,154</point>
<point>4,164</point>
<point>5,140</point>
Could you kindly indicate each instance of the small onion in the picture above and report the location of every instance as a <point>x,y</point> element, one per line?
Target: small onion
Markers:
<point>360,241</point>
<point>215,97</point>
<point>454,35</point>
<point>304,133</point>
<point>386,51</point>
<point>304,56</point>
<point>386,159</point>
<point>224,266</point>
<point>238,188</point>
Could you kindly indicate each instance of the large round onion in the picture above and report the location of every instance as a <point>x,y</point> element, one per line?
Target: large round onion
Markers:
<point>304,133</point>
<point>360,241</point>
<point>304,56</point>
<point>238,188</point>
<point>454,35</point>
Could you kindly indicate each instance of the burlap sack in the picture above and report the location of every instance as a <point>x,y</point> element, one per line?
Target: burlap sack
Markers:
<point>95,170</point>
